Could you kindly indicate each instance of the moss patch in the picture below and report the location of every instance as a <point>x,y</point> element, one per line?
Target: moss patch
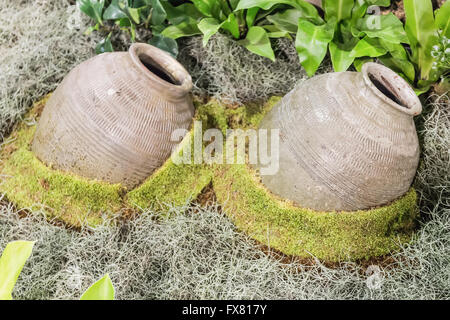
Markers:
<point>28,183</point>
<point>331,236</point>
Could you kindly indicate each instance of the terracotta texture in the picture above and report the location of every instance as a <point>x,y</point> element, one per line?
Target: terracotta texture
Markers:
<point>112,117</point>
<point>346,143</point>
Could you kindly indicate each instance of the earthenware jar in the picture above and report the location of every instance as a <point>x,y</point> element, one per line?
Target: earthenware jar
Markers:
<point>112,117</point>
<point>347,140</point>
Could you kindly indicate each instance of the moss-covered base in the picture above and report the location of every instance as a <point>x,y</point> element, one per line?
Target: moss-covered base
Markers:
<point>278,223</point>
<point>331,236</point>
<point>77,201</point>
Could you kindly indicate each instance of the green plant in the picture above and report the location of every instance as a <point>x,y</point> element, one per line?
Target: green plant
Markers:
<point>246,21</point>
<point>12,261</point>
<point>428,33</point>
<point>103,289</point>
<point>128,15</point>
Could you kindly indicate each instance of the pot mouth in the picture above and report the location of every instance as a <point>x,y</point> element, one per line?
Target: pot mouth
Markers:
<point>161,67</point>
<point>391,88</point>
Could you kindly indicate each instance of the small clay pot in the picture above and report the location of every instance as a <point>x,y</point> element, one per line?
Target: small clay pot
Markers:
<point>112,117</point>
<point>347,140</point>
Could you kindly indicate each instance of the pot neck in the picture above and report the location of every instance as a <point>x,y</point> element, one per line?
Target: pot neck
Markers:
<point>391,89</point>
<point>165,72</point>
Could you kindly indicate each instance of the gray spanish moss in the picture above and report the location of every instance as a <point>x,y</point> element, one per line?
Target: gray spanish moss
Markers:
<point>40,41</point>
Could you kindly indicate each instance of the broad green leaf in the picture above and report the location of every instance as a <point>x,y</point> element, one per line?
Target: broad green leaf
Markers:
<point>421,32</point>
<point>308,10</point>
<point>359,10</point>
<point>92,8</point>
<point>368,47</point>
<point>381,3</point>
<point>232,25</point>
<point>124,22</point>
<point>400,66</point>
<point>340,58</point>
<point>311,43</point>
<point>210,8</point>
<point>158,12</point>
<point>167,44</point>
<point>184,29</point>
<point>442,18</point>
<point>274,32</point>
<point>114,12</point>
<point>250,16</point>
<point>103,289</point>
<point>286,20</point>
<point>387,27</point>
<point>257,41</point>
<point>12,261</point>
<point>134,14</point>
<point>209,27</point>
<point>104,45</point>
<point>182,13</point>
<point>340,9</point>
<point>359,62</point>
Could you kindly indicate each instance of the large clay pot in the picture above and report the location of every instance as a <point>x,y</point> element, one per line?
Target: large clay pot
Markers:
<point>347,140</point>
<point>112,117</point>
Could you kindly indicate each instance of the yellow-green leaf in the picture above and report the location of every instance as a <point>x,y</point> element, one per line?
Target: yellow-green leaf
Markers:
<point>103,289</point>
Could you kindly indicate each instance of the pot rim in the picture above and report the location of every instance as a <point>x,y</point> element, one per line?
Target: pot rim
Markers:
<point>164,61</point>
<point>397,86</point>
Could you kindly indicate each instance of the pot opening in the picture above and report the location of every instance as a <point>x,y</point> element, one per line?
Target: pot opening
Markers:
<point>382,84</point>
<point>157,69</point>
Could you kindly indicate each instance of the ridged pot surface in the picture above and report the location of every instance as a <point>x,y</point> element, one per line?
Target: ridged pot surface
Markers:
<point>347,140</point>
<point>112,117</point>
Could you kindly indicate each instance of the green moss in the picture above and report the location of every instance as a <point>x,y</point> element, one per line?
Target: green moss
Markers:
<point>174,184</point>
<point>29,183</point>
<point>332,236</point>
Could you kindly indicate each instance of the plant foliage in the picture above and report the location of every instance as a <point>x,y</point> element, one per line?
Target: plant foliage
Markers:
<point>347,30</point>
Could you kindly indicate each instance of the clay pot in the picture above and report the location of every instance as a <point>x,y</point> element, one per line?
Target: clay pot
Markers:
<point>347,140</point>
<point>112,117</point>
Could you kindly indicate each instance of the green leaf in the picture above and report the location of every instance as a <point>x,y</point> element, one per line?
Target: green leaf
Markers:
<point>442,18</point>
<point>12,261</point>
<point>182,13</point>
<point>92,8</point>
<point>308,10</point>
<point>340,58</point>
<point>114,12</point>
<point>210,8</point>
<point>158,12</point>
<point>421,32</point>
<point>167,44</point>
<point>359,10</point>
<point>104,46</point>
<point>340,9</point>
<point>311,43</point>
<point>232,25</point>
<point>387,27</point>
<point>250,16</point>
<point>257,41</point>
<point>103,289</point>
<point>134,14</point>
<point>368,47</point>
<point>286,20</point>
<point>400,66</point>
<point>184,29</point>
<point>274,32</point>
<point>381,3</point>
<point>209,27</point>
<point>359,62</point>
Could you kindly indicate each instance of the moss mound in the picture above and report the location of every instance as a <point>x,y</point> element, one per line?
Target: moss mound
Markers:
<point>77,201</point>
<point>331,236</point>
